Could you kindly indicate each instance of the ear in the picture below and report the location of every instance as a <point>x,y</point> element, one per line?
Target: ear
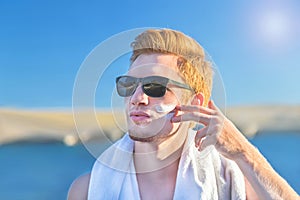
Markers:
<point>198,99</point>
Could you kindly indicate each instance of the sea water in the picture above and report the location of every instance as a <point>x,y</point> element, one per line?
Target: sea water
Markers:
<point>30,171</point>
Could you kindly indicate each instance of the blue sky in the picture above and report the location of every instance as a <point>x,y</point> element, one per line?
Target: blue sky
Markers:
<point>255,45</point>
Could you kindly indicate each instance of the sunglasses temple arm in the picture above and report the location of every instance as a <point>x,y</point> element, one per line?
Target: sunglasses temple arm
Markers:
<point>182,85</point>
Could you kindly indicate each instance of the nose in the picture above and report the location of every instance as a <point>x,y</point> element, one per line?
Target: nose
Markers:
<point>139,97</point>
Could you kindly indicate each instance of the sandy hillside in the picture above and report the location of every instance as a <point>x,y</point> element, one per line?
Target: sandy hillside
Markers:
<point>19,124</point>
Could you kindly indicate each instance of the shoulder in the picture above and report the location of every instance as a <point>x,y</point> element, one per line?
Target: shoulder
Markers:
<point>79,188</point>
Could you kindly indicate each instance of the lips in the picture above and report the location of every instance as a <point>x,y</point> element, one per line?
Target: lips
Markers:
<point>139,116</point>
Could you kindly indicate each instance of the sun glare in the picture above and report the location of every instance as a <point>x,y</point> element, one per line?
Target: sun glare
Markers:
<point>272,27</point>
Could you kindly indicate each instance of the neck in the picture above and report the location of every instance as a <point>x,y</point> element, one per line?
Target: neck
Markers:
<point>156,178</point>
<point>158,172</point>
<point>153,156</point>
<point>146,160</point>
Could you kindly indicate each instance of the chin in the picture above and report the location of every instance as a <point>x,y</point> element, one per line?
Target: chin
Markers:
<point>138,131</point>
<point>152,130</point>
<point>151,139</point>
<point>151,134</point>
<point>143,139</point>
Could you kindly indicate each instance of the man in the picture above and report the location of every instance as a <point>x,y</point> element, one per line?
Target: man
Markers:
<point>166,92</point>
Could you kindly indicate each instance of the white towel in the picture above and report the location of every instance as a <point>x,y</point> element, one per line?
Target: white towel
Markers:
<point>201,175</point>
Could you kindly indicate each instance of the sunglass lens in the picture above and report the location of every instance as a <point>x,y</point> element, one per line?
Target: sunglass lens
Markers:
<point>154,90</point>
<point>155,86</point>
<point>126,86</point>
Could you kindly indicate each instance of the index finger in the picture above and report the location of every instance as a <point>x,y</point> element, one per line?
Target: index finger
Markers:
<point>193,116</point>
<point>196,108</point>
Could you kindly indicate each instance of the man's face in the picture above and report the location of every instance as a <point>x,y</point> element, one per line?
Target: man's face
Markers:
<point>148,118</point>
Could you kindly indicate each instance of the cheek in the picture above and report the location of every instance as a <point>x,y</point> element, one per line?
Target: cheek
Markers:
<point>170,128</point>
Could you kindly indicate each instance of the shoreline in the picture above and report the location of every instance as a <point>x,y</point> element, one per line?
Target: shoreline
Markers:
<point>58,125</point>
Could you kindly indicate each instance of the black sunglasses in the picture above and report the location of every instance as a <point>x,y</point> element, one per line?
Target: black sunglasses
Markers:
<point>153,86</point>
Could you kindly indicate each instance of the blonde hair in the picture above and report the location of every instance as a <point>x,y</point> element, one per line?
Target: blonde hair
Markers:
<point>192,64</point>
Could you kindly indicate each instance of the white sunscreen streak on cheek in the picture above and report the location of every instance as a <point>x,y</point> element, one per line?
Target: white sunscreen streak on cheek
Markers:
<point>164,108</point>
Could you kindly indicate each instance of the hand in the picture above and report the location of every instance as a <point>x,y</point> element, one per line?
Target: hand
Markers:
<point>218,130</point>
